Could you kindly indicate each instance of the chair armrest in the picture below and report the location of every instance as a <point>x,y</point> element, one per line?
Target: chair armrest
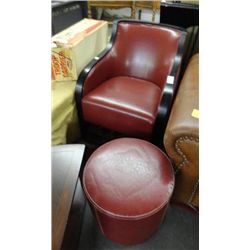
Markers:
<point>90,77</point>
<point>168,93</point>
<point>181,122</point>
<point>181,139</point>
<point>93,74</point>
<point>89,73</point>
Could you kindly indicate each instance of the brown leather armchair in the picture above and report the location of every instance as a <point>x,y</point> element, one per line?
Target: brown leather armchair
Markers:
<point>130,86</point>
<point>181,137</point>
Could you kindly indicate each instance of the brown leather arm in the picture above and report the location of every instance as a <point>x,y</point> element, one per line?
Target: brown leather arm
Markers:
<point>181,138</point>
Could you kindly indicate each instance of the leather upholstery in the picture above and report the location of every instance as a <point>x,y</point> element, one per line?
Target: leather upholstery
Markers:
<point>181,137</point>
<point>136,69</point>
<point>128,183</point>
<point>119,99</point>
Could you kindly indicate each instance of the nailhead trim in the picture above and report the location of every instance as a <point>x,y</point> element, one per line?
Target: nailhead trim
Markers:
<point>185,161</point>
<point>177,148</point>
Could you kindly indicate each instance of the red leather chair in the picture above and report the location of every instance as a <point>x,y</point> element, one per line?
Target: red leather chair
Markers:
<point>129,87</point>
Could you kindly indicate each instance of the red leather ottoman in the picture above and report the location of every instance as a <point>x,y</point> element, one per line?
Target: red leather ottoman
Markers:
<point>128,183</point>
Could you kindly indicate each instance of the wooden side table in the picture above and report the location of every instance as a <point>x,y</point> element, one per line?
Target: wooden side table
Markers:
<point>153,5</point>
<point>112,5</point>
<point>66,190</point>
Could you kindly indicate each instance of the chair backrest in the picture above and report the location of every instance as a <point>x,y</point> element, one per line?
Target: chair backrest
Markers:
<point>145,51</point>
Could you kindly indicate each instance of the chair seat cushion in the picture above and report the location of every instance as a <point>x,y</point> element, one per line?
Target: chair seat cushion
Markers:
<point>124,104</point>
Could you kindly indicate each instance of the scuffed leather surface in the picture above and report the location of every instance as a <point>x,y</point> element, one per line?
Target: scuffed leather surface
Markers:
<point>119,101</point>
<point>181,137</point>
<point>140,51</point>
<point>128,178</point>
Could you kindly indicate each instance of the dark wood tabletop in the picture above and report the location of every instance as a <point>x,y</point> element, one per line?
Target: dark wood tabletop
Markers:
<point>66,164</point>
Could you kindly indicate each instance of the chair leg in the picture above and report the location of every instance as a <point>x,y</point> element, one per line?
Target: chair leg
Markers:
<point>153,16</point>
<point>133,10</point>
<point>139,16</point>
<point>89,11</point>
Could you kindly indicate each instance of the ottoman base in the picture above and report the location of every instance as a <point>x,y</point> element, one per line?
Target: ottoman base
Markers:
<point>127,231</point>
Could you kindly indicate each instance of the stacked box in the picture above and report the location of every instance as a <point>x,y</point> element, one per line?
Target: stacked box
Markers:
<point>73,48</point>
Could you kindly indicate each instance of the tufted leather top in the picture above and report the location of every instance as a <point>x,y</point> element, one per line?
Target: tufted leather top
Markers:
<point>128,178</point>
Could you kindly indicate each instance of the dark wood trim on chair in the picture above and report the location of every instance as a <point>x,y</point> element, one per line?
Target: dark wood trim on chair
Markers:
<point>84,74</point>
<point>167,97</point>
<point>168,94</point>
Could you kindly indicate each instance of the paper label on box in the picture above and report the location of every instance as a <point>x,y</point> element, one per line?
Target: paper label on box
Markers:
<point>77,32</point>
<point>63,67</point>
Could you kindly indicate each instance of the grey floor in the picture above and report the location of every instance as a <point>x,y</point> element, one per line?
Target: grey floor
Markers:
<point>179,231</point>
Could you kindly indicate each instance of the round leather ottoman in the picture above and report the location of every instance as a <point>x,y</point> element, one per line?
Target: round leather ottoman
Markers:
<point>128,183</point>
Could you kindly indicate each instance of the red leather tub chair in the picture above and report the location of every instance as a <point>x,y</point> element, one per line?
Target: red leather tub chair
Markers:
<point>130,86</point>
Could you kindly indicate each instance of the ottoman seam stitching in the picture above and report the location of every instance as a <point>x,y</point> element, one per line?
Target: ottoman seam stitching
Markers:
<point>122,217</point>
<point>178,150</point>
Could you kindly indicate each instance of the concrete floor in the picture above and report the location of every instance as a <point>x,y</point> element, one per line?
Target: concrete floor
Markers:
<point>179,231</point>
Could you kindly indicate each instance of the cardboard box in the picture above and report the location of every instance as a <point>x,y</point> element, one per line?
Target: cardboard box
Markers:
<point>62,110</point>
<point>73,48</point>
